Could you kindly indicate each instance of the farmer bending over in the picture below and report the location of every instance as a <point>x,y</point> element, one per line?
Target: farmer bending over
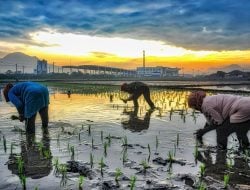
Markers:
<point>225,113</point>
<point>29,98</point>
<point>136,89</point>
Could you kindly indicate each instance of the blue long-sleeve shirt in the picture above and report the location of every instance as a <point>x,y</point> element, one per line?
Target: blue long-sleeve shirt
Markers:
<point>29,97</point>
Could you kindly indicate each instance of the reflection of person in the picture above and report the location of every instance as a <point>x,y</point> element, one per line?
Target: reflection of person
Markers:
<point>225,113</point>
<point>29,98</point>
<point>37,157</point>
<point>136,89</point>
<point>69,93</point>
<point>136,124</point>
<point>217,166</point>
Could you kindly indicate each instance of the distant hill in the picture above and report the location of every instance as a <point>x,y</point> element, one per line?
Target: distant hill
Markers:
<point>22,60</point>
<point>229,68</point>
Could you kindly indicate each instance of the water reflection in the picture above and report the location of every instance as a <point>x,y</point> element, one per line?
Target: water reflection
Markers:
<point>220,162</point>
<point>134,123</point>
<point>36,157</point>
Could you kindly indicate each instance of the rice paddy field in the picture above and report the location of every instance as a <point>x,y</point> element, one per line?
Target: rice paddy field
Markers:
<point>95,141</point>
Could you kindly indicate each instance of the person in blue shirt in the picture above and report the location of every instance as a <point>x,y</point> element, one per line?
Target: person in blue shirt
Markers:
<point>29,98</point>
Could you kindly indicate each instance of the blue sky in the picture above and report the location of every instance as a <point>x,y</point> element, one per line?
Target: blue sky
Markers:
<point>191,24</point>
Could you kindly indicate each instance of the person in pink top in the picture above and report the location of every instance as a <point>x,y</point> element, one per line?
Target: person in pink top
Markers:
<point>225,113</point>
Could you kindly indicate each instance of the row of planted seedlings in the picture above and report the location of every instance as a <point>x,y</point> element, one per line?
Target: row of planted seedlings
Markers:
<point>105,145</point>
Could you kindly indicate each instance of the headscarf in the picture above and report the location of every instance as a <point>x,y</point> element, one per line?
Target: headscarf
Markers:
<point>6,91</point>
<point>195,99</point>
<point>124,86</point>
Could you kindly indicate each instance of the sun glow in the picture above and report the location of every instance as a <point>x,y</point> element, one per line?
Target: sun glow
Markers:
<point>84,45</point>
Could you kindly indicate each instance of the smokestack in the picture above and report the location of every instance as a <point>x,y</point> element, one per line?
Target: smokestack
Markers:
<point>144,59</point>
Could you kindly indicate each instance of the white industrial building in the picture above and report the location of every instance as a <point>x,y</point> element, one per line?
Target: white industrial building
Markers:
<point>41,67</point>
<point>157,71</point>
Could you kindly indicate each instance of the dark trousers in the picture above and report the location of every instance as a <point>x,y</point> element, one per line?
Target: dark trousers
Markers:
<point>146,93</point>
<point>30,122</point>
<point>228,128</point>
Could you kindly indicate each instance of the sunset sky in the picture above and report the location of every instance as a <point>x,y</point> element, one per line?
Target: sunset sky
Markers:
<point>189,34</point>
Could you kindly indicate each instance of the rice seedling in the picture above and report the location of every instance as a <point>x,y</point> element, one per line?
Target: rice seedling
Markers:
<point>20,165</point>
<point>170,157</point>
<point>89,130</point>
<point>92,143</point>
<point>79,137</point>
<point>226,180</point>
<point>63,171</point>
<point>102,136</point>
<point>246,155</point>
<point>145,165</point>
<point>124,156</point>
<point>196,152</point>
<point>118,173</point>
<point>156,143</point>
<point>105,148</point>
<point>109,140</point>
<point>149,150</point>
<point>229,163</point>
<point>72,150</point>
<point>36,188</point>
<point>125,141</point>
<point>47,154</point>
<point>91,160</point>
<point>202,170</point>
<point>11,148</point>
<point>101,165</point>
<point>23,181</point>
<point>56,165</point>
<point>132,182</point>
<point>202,186</point>
<point>177,139</point>
<point>4,144</point>
<point>80,182</point>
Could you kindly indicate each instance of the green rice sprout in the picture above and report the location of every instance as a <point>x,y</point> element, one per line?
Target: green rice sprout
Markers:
<point>177,139</point>
<point>149,150</point>
<point>132,182</point>
<point>226,180</point>
<point>109,140</point>
<point>36,188</point>
<point>47,154</point>
<point>202,169</point>
<point>156,143</point>
<point>89,130</point>
<point>23,181</point>
<point>105,148</point>
<point>56,164</point>
<point>72,150</point>
<point>246,155</point>
<point>202,186</point>
<point>20,165</point>
<point>63,171</point>
<point>92,143</point>
<point>196,152</point>
<point>58,140</point>
<point>80,182</point>
<point>11,148</point>
<point>170,157</point>
<point>125,141</point>
<point>124,156</point>
<point>102,136</point>
<point>229,163</point>
<point>145,165</point>
<point>91,158</point>
<point>101,165</point>
<point>4,144</point>
<point>79,137</point>
<point>118,173</point>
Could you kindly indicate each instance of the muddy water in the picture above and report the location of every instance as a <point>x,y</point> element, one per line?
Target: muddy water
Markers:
<point>77,125</point>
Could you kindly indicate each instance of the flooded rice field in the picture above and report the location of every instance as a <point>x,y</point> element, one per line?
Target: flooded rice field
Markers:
<point>95,141</point>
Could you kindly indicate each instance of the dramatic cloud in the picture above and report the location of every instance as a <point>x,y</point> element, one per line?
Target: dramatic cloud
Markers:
<point>191,24</point>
